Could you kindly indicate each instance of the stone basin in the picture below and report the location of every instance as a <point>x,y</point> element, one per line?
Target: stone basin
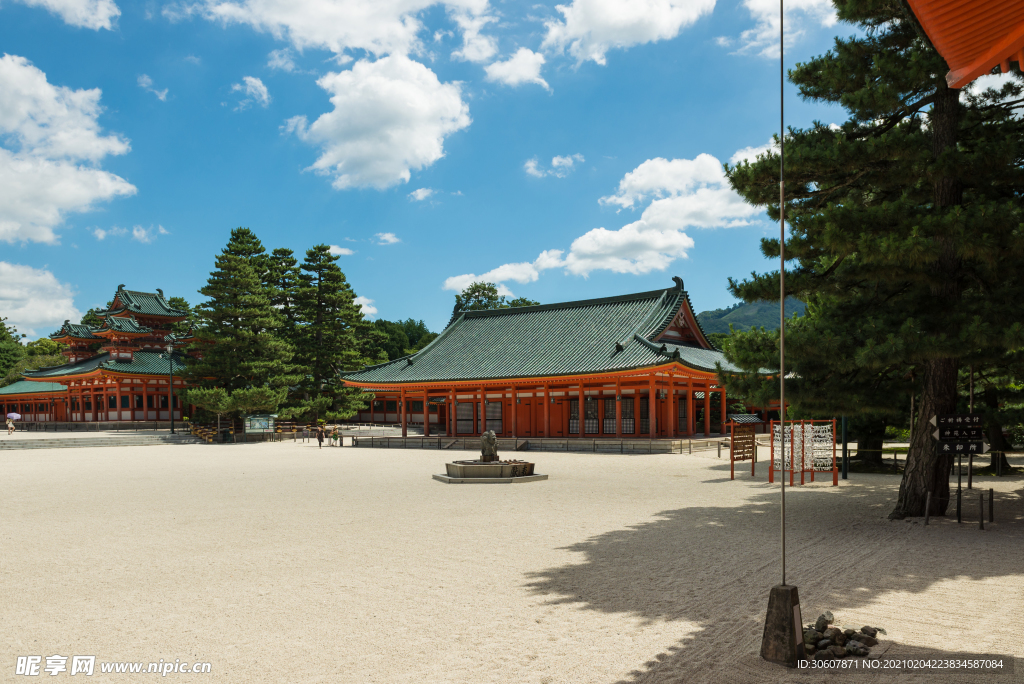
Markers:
<point>489,469</point>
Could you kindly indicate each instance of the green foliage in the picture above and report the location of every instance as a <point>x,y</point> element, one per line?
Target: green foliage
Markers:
<point>11,349</point>
<point>744,316</point>
<point>906,235</point>
<point>395,342</point>
<point>44,346</point>
<point>329,337</point>
<point>255,400</point>
<point>91,319</point>
<point>30,363</point>
<point>189,323</point>
<point>483,296</point>
<point>282,284</point>
<point>240,335</point>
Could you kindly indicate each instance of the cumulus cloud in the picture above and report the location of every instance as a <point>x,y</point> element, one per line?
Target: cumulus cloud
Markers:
<point>386,238</point>
<point>590,28</point>
<point>522,67</point>
<point>340,251</point>
<point>254,91</point>
<point>476,47</point>
<point>146,83</point>
<point>763,38</point>
<point>380,27</point>
<point>52,147</point>
<point>34,300</point>
<point>92,14</point>
<point>366,306</point>
<point>146,235</point>
<point>560,166</point>
<point>390,118</point>
<point>104,233</point>
<point>281,60</point>
<point>750,154</point>
<point>420,194</point>
<point>678,193</point>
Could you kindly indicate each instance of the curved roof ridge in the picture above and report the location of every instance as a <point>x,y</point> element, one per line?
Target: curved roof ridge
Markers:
<point>566,305</point>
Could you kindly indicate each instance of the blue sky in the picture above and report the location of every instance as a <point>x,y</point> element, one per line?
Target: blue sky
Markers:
<point>566,152</point>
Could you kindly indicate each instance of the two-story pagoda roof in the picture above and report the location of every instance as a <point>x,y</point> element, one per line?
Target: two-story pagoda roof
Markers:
<point>118,326</point>
<point>149,304</point>
<point>606,335</point>
<point>74,331</point>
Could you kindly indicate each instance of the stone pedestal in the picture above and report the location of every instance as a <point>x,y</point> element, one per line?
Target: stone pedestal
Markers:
<point>489,472</point>
<point>783,640</point>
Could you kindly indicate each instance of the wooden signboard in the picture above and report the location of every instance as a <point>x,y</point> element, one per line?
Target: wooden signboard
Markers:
<point>743,447</point>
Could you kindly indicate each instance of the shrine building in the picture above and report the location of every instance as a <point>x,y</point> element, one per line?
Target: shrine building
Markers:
<point>637,365</point>
<point>118,371</point>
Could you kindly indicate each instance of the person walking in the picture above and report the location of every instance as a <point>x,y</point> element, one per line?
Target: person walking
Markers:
<point>320,435</point>
<point>10,425</point>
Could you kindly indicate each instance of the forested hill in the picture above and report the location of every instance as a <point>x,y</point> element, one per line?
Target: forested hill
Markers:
<point>746,316</point>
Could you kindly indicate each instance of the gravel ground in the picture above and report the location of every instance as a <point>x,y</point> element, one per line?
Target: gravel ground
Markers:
<point>282,562</point>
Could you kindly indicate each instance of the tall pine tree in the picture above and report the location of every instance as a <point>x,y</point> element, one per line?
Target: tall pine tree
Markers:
<point>239,335</point>
<point>329,337</point>
<point>906,219</point>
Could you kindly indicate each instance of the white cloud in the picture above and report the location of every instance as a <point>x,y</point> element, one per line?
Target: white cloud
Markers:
<point>763,39</point>
<point>104,233</point>
<point>147,235</point>
<point>522,67</point>
<point>420,194</point>
<point>93,14</point>
<point>281,60</point>
<point>390,117</point>
<point>366,306</point>
<point>475,46</point>
<point>386,238</point>
<point>48,167</point>
<point>146,83</point>
<point>340,251</point>
<point>33,299</point>
<point>593,27</point>
<point>380,27</point>
<point>192,59</point>
<point>682,193</point>
<point>750,154</point>
<point>560,166</point>
<point>254,91</point>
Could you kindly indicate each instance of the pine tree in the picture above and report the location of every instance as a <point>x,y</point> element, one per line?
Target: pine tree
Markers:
<point>906,219</point>
<point>282,285</point>
<point>240,338</point>
<point>11,349</point>
<point>330,326</point>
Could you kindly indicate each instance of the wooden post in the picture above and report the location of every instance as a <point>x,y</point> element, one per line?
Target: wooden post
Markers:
<point>452,411</point>
<point>145,400</point>
<point>547,411</point>
<point>670,410</point>
<point>483,410</point>
<point>618,408</point>
<point>707,409</point>
<point>473,401</point>
<point>117,398</point>
<point>426,413</point>
<point>582,411</point>
<point>402,411</point>
<point>691,420</point>
<point>372,402</point>
<point>651,406</point>
<point>514,413</point>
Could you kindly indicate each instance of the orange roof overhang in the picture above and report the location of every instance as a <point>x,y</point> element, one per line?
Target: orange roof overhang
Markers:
<point>973,36</point>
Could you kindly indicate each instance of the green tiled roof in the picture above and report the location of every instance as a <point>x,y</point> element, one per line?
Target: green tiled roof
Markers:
<point>143,363</point>
<point>29,387</point>
<point>144,303</point>
<point>76,330</point>
<point>589,336</point>
<point>122,324</point>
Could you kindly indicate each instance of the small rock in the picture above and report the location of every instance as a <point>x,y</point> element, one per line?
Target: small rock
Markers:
<point>823,644</point>
<point>866,639</point>
<point>812,636</point>
<point>849,632</point>
<point>881,631</point>
<point>837,651</point>
<point>809,650</point>
<point>870,631</point>
<point>840,638</point>
<point>822,623</point>
<point>855,649</point>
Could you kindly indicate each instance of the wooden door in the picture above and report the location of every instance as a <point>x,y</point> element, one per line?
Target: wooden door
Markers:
<point>524,418</point>
<point>557,418</point>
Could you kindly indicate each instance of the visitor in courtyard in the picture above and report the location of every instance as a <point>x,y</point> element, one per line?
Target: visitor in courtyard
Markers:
<point>320,436</point>
<point>10,426</point>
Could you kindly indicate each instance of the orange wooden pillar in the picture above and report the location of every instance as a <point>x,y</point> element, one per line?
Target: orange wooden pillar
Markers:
<point>145,401</point>
<point>451,413</point>
<point>707,411</point>
<point>401,409</point>
<point>547,410</point>
<point>117,399</point>
<point>651,407</point>
<point>426,413</point>
<point>691,421</point>
<point>483,410</point>
<point>583,401</point>
<point>514,412</point>
<point>670,410</point>
<point>618,409</point>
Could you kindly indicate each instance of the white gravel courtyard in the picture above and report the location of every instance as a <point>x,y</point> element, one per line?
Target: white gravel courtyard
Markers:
<point>282,562</point>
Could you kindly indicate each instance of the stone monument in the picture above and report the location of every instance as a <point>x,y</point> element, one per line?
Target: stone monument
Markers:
<point>488,469</point>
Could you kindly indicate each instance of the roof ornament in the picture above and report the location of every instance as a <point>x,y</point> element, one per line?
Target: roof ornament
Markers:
<point>66,321</point>
<point>120,288</point>
<point>160,292</point>
<point>678,281</point>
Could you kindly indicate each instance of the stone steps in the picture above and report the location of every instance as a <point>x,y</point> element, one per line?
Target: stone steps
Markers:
<point>105,441</point>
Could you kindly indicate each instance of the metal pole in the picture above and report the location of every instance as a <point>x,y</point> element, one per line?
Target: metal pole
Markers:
<point>170,384</point>
<point>782,268</point>
<point>959,483</point>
